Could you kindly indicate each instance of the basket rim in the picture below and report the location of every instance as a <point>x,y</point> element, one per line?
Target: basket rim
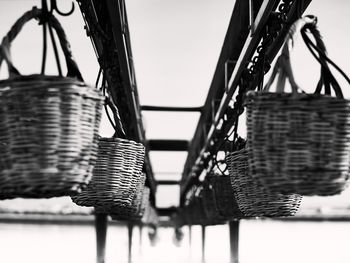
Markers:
<point>251,95</point>
<point>42,77</point>
<point>118,140</point>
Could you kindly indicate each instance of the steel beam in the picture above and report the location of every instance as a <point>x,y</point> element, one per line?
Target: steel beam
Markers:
<point>168,182</point>
<point>119,22</point>
<point>203,244</point>
<point>130,232</point>
<point>166,211</point>
<point>168,145</point>
<point>107,25</point>
<point>234,241</point>
<point>176,109</point>
<point>101,234</point>
<point>241,11</point>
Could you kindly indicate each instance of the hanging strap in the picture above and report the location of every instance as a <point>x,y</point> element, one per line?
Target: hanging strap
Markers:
<point>283,68</point>
<point>117,124</point>
<point>327,80</point>
<point>35,13</point>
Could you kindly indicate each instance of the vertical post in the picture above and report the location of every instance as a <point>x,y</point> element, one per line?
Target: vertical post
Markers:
<point>234,239</point>
<point>189,241</point>
<point>140,240</point>
<point>130,228</point>
<point>101,234</point>
<point>203,244</point>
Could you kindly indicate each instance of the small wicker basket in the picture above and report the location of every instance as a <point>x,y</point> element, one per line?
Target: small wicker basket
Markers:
<point>117,175</point>
<point>209,202</point>
<point>195,210</point>
<point>225,198</point>
<point>134,213</point>
<point>254,200</point>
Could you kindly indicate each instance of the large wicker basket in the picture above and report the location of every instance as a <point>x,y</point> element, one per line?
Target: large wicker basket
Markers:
<point>117,175</point>
<point>297,142</point>
<point>48,126</point>
<point>254,200</point>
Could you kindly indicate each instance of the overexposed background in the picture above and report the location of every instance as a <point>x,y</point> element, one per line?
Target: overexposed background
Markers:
<point>176,45</point>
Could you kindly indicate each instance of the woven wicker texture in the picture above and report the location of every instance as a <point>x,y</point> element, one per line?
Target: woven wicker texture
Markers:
<point>48,127</point>
<point>134,213</point>
<point>299,143</point>
<point>254,200</point>
<point>116,177</point>
<point>225,198</point>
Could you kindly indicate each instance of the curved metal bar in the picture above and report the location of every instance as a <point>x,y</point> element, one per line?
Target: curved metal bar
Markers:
<point>54,7</point>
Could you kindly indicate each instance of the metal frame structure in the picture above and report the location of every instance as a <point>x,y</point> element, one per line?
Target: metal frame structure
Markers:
<point>210,132</point>
<point>107,25</point>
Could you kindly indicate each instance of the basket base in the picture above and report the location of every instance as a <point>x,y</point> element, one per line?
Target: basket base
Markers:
<point>307,183</point>
<point>28,191</point>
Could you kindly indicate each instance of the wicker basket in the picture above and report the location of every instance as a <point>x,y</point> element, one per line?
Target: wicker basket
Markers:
<point>299,143</point>
<point>134,213</point>
<point>254,200</point>
<point>198,211</point>
<point>225,198</point>
<point>48,127</point>
<point>116,177</point>
<point>209,202</point>
<point>195,213</point>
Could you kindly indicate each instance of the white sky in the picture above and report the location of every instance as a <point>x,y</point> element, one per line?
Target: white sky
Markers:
<point>176,45</point>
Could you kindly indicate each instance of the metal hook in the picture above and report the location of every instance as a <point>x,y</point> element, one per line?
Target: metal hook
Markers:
<point>54,7</point>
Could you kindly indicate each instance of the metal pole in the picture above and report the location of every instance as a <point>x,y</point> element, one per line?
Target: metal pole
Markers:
<point>234,240</point>
<point>140,240</point>
<point>203,244</point>
<point>130,228</point>
<point>164,108</point>
<point>189,241</point>
<point>101,234</point>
